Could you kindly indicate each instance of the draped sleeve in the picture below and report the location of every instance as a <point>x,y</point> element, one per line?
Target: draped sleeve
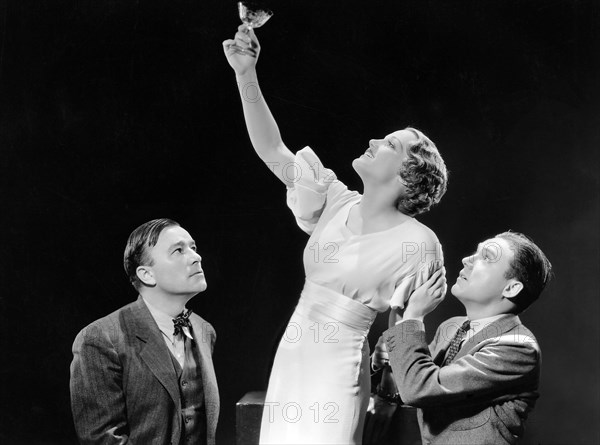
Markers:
<point>314,188</point>
<point>407,284</point>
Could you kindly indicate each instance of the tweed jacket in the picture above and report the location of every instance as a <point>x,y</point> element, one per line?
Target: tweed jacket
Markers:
<point>483,396</point>
<point>124,387</point>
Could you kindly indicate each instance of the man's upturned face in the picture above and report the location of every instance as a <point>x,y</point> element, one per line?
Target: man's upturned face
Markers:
<point>176,266</point>
<point>482,279</point>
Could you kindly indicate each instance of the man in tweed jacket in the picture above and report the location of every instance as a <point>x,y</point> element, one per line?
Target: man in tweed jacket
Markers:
<point>478,385</point>
<point>133,379</point>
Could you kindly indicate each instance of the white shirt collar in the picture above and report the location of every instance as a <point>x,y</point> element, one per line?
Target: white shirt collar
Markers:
<point>479,324</point>
<point>163,320</point>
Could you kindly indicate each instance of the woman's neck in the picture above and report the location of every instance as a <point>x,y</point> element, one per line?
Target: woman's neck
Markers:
<point>377,211</point>
<point>379,202</point>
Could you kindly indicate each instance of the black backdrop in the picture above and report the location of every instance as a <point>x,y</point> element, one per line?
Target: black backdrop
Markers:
<point>114,112</point>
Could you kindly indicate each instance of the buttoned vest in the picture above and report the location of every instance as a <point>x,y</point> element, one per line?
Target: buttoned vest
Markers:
<point>193,413</point>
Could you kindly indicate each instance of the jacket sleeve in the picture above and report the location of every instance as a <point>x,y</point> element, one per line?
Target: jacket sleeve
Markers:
<point>505,364</point>
<point>96,384</point>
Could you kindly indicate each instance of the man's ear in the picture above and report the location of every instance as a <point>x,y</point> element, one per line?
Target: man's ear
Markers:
<point>145,275</point>
<point>512,289</point>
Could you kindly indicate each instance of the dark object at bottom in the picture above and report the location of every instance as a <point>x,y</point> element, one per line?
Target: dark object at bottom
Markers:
<point>248,414</point>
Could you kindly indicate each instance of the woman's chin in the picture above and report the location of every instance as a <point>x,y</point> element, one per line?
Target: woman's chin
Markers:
<point>359,166</point>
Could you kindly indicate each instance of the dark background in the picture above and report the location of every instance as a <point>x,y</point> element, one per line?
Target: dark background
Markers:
<point>115,112</point>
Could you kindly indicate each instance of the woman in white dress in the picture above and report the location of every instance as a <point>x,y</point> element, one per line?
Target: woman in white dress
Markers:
<point>365,253</point>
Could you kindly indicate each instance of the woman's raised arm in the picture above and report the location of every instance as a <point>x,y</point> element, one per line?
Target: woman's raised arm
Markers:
<point>262,128</point>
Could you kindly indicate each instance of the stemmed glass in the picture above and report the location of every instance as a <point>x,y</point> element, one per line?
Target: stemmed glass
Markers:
<point>253,15</point>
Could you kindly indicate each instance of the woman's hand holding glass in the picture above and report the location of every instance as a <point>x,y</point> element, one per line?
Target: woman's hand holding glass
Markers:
<point>242,51</point>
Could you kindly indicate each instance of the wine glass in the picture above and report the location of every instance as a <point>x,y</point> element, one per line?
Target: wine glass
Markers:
<point>253,15</point>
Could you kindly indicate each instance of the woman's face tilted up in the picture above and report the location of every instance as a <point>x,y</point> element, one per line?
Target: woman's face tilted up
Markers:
<point>383,160</point>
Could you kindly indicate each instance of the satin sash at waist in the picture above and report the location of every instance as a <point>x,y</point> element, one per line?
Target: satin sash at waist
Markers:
<point>324,305</point>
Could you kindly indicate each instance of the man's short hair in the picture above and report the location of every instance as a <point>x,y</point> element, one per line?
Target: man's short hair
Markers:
<point>139,244</point>
<point>529,265</point>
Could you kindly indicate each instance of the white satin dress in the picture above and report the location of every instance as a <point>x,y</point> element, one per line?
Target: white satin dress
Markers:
<point>320,383</point>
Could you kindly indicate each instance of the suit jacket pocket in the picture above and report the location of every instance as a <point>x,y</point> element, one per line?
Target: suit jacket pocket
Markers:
<point>457,419</point>
<point>470,420</point>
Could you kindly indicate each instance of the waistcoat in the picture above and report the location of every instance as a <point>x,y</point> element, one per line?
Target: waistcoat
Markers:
<point>193,413</point>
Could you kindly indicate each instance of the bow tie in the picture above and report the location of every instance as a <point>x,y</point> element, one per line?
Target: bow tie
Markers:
<point>182,324</point>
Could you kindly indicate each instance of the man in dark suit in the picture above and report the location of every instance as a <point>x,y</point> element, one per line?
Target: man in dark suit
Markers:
<point>144,374</point>
<point>477,381</point>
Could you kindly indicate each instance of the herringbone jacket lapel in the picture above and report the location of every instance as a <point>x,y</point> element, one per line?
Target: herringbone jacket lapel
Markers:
<point>494,329</point>
<point>154,351</point>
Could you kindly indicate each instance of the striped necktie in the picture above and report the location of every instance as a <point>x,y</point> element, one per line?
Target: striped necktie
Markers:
<point>456,341</point>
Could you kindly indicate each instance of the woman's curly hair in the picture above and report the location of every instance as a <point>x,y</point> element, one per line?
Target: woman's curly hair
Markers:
<point>425,175</point>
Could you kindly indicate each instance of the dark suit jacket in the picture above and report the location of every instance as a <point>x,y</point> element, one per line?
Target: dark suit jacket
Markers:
<point>483,396</point>
<point>124,387</point>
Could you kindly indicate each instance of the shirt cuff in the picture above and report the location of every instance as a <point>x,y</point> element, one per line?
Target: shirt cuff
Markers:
<point>420,319</point>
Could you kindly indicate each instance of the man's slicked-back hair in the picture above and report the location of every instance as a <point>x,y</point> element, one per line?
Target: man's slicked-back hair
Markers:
<point>529,265</point>
<point>138,244</point>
